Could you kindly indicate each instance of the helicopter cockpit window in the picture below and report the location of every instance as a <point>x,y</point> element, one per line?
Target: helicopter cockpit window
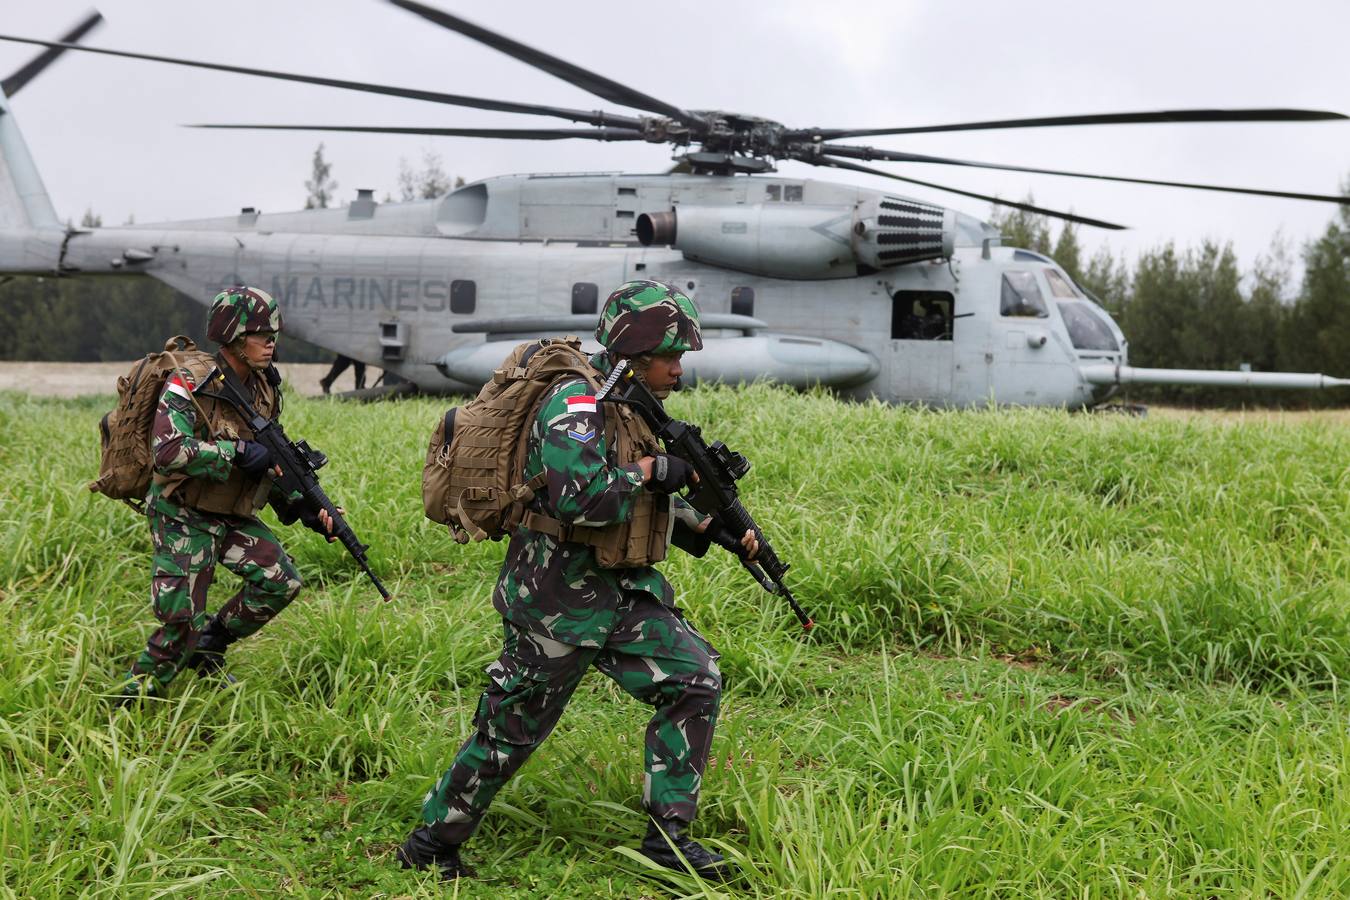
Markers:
<point>585,297</point>
<point>773,192</point>
<point>1087,330</point>
<point>1059,285</point>
<point>1021,296</point>
<point>463,296</point>
<point>742,301</point>
<point>921,315</point>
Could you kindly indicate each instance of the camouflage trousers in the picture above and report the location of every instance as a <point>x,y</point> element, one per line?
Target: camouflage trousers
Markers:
<point>188,545</point>
<point>653,654</point>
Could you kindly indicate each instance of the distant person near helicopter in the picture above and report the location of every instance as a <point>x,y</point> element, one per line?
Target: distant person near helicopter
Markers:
<point>339,366</point>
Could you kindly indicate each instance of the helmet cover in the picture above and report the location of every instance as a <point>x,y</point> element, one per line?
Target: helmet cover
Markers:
<point>649,317</point>
<point>242,310</point>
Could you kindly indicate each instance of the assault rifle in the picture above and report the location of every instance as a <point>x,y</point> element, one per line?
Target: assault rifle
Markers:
<point>718,468</point>
<point>298,463</point>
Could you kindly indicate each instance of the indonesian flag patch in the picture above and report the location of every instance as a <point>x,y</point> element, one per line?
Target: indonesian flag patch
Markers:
<point>179,386</point>
<point>581,404</point>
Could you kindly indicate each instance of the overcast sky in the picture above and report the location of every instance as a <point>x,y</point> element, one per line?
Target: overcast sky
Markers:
<point>105,132</point>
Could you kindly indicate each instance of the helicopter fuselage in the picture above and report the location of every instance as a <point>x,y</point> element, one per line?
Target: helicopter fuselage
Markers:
<point>388,284</point>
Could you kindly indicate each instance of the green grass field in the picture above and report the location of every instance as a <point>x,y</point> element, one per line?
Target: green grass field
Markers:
<point>1058,655</point>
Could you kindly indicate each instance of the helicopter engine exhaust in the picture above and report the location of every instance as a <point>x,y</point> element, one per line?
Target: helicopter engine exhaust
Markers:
<point>656,229</point>
<point>805,241</point>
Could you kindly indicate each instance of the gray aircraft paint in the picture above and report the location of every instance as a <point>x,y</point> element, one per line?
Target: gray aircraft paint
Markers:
<point>375,282</point>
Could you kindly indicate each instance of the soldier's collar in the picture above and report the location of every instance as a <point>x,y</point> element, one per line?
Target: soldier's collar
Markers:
<point>601,363</point>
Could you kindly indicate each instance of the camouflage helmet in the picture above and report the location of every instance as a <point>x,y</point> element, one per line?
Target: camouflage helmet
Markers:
<point>649,317</point>
<point>241,310</point>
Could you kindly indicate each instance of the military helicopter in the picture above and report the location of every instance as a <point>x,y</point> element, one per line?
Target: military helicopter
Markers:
<point>802,281</point>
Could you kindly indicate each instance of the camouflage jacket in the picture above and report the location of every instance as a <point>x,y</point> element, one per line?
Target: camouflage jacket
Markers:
<point>182,445</point>
<point>555,588</point>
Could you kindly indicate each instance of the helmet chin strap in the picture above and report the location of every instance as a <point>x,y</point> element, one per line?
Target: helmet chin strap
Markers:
<point>640,363</point>
<point>232,357</point>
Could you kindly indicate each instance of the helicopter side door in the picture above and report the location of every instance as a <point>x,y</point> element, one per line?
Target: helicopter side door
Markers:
<point>1027,363</point>
<point>921,349</point>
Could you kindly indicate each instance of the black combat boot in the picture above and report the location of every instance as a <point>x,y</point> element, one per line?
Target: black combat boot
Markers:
<point>667,845</point>
<point>134,692</point>
<point>209,657</point>
<point>423,849</point>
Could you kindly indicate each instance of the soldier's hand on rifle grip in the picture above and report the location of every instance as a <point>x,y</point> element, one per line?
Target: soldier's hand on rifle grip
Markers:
<point>746,546</point>
<point>253,458</point>
<point>751,545</point>
<point>321,523</point>
<point>670,473</point>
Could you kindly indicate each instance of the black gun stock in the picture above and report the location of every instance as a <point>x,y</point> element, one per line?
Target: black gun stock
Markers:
<point>299,464</point>
<point>718,469</point>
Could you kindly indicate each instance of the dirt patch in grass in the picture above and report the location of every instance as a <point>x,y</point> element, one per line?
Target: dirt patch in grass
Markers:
<point>64,379</point>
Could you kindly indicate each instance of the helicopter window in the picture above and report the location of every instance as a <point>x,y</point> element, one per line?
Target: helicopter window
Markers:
<point>792,193</point>
<point>774,192</point>
<point>1059,285</point>
<point>631,192</point>
<point>743,301</point>
<point>584,298</point>
<point>1021,296</point>
<point>1028,256</point>
<point>463,296</point>
<point>1086,328</point>
<point>921,316</point>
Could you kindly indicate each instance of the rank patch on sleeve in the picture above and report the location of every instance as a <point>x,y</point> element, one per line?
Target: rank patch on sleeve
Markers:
<point>582,436</point>
<point>581,404</point>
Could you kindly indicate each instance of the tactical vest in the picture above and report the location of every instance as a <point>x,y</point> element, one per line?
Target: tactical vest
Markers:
<point>644,538</point>
<point>240,494</point>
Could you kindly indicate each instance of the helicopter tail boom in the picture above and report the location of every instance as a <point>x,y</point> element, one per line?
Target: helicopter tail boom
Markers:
<point>1116,374</point>
<point>23,198</point>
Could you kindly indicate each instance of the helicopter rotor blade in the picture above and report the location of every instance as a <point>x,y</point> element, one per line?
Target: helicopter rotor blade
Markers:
<point>896,156</point>
<point>1160,116</point>
<point>521,134</point>
<point>596,117</point>
<point>34,67</point>
<point>592,82</point>
<point>1053,213</point>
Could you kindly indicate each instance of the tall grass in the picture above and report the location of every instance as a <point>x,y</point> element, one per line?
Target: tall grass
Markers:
<point>1056,655</point>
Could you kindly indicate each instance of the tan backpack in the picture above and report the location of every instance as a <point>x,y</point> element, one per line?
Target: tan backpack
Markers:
<point>471,479</point>
<point>126,463</point>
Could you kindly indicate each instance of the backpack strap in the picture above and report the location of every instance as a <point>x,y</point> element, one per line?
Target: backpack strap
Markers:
<point>192,395</point>
<point>464,522</point>
<point>522,494</point>
<point>572,534</point>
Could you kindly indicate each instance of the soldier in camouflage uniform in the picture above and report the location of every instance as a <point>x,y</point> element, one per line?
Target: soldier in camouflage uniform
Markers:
<point>564,613</point>
<point>210,480</point>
